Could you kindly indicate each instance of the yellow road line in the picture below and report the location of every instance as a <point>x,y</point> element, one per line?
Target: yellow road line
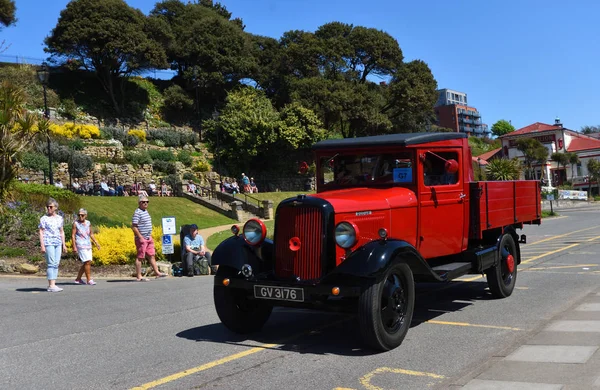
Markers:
<point>366,380</point>
<point>230,358</point>
<point>471,325</point>
<point>565,266</point>
<point>203,367</point>
<point>562,235</point>
<point>548,253</point>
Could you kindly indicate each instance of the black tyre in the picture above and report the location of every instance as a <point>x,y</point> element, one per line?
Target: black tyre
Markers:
<point>237,311</point>
<point>503,277</point>
<point>385,308</point>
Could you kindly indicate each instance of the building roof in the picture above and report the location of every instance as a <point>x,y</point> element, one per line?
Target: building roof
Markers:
<point>487,155</point>
<point>537,127</point>
<point>479,160</point>
<point>401,139</point>
<point>581,142</point>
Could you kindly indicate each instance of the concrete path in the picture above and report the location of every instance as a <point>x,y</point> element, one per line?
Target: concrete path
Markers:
<point>206,233</point>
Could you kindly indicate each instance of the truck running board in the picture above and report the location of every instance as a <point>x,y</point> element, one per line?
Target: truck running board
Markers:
<point>452,270</point>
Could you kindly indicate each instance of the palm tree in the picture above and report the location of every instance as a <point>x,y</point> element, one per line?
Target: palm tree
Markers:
<point>17,130</point>
<point>573,160</point>
<point>503,169</point>
<point>593,167</point>
<point>560,158</point>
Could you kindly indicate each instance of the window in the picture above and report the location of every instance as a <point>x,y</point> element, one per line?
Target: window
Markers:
<point>434,169</point>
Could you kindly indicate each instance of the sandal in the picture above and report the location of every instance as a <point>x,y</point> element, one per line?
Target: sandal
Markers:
<point>161,276</point>
<point>142,280</point>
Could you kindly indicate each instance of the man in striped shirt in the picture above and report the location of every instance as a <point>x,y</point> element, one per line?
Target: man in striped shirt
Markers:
<point>141,224</point>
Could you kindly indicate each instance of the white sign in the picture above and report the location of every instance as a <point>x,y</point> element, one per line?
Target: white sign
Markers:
<point>550,197</point>
<point>570,194</point>
<point>167,245</point>
<point>168,225</point>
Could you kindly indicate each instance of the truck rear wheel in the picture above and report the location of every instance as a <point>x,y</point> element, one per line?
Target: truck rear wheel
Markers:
<point>237,311</point>
<point>502,277</point>
<point>385,308</point>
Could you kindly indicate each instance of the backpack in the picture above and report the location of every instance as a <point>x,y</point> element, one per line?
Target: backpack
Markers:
<point>201,266</point>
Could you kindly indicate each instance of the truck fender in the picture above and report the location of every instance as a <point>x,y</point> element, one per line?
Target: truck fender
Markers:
<point>234,252</point>
<point>372,260</point>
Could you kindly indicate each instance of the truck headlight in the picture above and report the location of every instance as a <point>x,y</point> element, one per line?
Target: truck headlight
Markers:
<point>345,234</point>
<point>254,232</point>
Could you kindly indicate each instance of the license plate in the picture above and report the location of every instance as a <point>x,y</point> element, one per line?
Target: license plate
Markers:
<point>279,293</point>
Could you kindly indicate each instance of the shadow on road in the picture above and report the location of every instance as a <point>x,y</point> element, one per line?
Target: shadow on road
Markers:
<point>316,332</point>
<point>32,289</point>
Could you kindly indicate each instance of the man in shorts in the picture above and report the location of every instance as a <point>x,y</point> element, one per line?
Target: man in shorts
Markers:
<point>141,224</point>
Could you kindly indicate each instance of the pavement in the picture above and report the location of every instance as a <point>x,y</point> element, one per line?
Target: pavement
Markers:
<point>562,355</point>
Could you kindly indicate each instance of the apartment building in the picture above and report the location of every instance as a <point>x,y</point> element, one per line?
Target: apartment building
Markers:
<point>453,112</point>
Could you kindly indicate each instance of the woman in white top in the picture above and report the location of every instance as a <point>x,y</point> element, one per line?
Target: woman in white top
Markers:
<point>52,242</point>
<point>82,238</point>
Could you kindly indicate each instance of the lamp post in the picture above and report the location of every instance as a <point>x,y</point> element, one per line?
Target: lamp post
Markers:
<point>215,116</point>
<point>44,75</point>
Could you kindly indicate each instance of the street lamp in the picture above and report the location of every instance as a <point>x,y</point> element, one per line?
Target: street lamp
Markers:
<point>215,116</point>
<point>44,75</point>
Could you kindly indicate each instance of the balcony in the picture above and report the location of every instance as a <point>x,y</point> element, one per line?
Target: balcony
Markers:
<point>475,114</point>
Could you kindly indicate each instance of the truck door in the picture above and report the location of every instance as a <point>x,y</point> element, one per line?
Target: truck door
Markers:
<point>441,203</point>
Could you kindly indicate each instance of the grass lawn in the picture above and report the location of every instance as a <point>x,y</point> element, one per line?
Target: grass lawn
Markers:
<point>276,197</point>
<point>118,210</point>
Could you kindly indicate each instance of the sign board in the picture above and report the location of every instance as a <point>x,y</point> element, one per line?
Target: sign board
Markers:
<point>167,245</point>
<point>571,194</point>
<point>168,225</point>
<point>550,197</point>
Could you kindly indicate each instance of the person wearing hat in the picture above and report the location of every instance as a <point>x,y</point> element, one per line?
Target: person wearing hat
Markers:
<point>141,224</point>
<point>194,249</point>
<point>152,188</point>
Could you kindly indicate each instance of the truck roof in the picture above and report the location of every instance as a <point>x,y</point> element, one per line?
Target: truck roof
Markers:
<point>401,139</point>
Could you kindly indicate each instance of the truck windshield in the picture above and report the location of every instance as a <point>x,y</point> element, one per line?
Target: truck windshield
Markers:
<point>339,170</point>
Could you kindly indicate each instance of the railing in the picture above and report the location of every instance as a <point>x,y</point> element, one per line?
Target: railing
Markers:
<point>249,203</point>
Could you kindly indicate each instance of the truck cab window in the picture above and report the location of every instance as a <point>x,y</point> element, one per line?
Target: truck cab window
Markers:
<point>434,172</point>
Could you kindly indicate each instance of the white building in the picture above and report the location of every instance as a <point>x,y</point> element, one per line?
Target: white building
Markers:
<point>556,138</point>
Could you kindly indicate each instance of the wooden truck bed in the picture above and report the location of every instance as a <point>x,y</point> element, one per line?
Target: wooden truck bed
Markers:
<point>496,204</point>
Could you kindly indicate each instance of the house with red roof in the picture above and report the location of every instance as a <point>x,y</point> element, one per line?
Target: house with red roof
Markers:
<point>556,138</point>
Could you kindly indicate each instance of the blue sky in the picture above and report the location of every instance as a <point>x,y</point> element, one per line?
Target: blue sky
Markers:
<point>526,61</point>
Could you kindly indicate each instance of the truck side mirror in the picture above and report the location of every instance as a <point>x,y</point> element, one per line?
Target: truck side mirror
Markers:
<point>451,166</point>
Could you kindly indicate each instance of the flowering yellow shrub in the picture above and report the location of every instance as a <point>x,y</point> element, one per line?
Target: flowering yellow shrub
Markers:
<point>118,246</point>
<point>139,134</point>
<point>71,130</point>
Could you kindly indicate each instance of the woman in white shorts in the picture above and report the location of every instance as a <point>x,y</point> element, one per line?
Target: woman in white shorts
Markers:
<point>82,238</point>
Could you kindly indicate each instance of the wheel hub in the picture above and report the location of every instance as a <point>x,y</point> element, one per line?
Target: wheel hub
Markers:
<point>510,263</point>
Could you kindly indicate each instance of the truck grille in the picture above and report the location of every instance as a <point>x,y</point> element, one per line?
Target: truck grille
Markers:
<point>306,223</point>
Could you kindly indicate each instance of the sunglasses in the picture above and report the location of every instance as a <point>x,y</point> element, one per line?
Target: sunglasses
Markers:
<point>49,207</point>
<point>82,215</point>
<point>144,201</point>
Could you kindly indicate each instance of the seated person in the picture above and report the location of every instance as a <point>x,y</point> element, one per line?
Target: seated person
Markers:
<point>193,244</point>
<point>152,188</point>
<point>253,187</point>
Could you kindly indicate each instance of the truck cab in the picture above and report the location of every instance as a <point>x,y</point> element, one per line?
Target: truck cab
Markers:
<point>389,211</point>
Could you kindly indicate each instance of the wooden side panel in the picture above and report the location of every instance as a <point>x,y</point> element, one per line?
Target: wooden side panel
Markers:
<point>503,203</point>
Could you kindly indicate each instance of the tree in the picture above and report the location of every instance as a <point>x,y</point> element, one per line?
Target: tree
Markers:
<point>107,37</point>
<point>560,159</point>
<point>534,152</point>
<point>593,167</point>
<point>7,13</point>
<point>573,160</point>
<point>590,129</point>
<point>18,128</point>
<point>503,169</point>
<point>210,51</point>
<point>250,132</point>
<point>412,95</point>
<point>502,127</point>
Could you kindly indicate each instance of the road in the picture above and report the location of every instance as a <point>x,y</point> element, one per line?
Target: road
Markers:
<point>165,333</point>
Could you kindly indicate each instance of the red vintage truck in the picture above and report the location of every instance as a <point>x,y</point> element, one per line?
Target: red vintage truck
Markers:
<point>389,211</point>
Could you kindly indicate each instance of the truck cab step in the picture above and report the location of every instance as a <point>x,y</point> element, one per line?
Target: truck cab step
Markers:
<point>452,270</point>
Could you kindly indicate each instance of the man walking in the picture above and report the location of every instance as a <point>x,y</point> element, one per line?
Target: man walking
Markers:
<point>141,224</point>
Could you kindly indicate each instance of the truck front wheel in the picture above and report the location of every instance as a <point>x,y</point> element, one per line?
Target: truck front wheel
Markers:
<point>385,308</point>
<point>238,312</point>
<point>502,277</point>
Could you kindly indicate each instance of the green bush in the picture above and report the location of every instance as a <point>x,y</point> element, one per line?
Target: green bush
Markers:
<point>68,109</point>
<point>189,176</point>
<point>170,137</point>
<point>35,162</point>
<point>138,158</point>
<point>167,167</point>
<point>37,195</point>
<point>11,252</point>
<point>185,158</point>
<point>114,133</point>
<point>76,144</point>
<point>161,155</point>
